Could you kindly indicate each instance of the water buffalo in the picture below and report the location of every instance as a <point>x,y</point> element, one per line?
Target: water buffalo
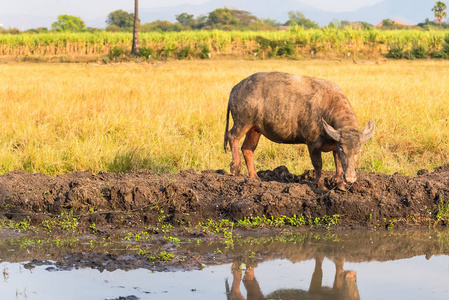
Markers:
<point>294,109</point>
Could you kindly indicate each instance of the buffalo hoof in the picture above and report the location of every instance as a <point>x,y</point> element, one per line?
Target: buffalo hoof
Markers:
<point>254,176</point>
<point>341,186</point>
<point>320,184</point>
<point>235,170</point>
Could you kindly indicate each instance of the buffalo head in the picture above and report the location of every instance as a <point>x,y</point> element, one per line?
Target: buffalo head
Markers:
<point>349,142</point>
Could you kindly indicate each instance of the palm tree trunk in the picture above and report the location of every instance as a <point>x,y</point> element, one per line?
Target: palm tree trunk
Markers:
<point>136,47</point>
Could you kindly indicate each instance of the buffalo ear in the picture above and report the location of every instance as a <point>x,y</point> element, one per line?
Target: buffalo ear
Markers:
<point>334,134</point>
<point>367,132</point>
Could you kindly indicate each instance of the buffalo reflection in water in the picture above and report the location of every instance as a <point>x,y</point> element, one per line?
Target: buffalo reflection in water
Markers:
<point>344,288</point>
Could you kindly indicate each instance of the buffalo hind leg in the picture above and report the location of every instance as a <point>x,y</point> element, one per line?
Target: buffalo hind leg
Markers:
<point>234,135</point>
<point>248,147</point>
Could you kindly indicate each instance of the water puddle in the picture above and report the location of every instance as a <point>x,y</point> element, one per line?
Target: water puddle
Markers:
<point>342,265</point>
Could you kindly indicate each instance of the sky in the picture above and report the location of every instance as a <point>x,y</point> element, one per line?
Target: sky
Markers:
<point>25,14</point>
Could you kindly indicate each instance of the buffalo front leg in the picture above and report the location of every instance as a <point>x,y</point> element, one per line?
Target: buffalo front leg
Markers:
<point>317,162</point>
<point>248,147</point>
<point>339,172</point>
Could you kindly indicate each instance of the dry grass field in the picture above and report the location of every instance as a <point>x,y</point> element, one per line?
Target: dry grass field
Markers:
<point>167,117</point>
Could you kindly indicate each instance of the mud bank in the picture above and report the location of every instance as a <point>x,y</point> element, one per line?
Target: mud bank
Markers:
<point>112,201</point>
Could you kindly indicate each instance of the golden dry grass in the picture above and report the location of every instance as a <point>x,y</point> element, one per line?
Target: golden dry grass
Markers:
<point>59,118</point>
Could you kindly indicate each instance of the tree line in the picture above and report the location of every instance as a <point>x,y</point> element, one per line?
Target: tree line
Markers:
<point>224,19</point>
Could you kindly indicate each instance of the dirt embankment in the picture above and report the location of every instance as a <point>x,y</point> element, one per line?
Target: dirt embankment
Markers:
<point>113,201</point>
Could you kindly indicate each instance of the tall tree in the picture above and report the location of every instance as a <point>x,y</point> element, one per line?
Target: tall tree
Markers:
<point>244,17</point>
<point>298,18</point>
<point>120,18</point>
<point>221,16</point>
<point>69,23</point>
<point>438,10</point>
<point>136,47</point>
<point>185,19</point>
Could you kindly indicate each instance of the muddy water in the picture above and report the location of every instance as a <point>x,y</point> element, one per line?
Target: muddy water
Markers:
<point>326,265</point>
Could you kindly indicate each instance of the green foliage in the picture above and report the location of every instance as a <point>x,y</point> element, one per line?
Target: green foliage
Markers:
<point>199,44</point>
<point>276,47</point>
<point>145,52</point>
<point>330,221</point>
<point>220,17</point>
<point>48,225</point>
<point>185,19</point>
<point>173,240</point>
<point>439,10</point>
<point>67,23</point>
<point>270,22</point>
<point>161,256</point>
<point>21,226</point>
<point>441,212</point>
<point>418,51</point>
<point>439,46</point>
<point>286,49</point>
<point>116,53</point>
<point>161,26</point>
<point>93,227</point>
<point>142,252</point>
<point>228,238</point>
<point>244,17</point>
<point>390,24</point>
<point>264,221</point>
<point>298,18</point>
<point>121,19</point>
<point>162,224</point>
<point>204,51</point>
<point>395,50</point>
<point>68,223</point>
<point>185,52</point>
<point>446,44</point>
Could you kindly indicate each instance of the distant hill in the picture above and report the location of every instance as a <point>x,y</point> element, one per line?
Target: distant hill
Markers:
<point>410,12</point>
<point>407,11</point>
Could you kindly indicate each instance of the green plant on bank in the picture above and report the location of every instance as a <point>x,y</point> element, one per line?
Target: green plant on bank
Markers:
<point>48,225</point>
<point>441,212</point>
<point>228,238</point>
<point>66,222</point>
<point>128,236</point>
<point>263,221</point>
<point>390,225</point>
<point>172,239</point>
<point>161,256</point>
<point>162,222</point>
<point>93,228</point>
<point>21,226</point>
<point>142,252</point>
